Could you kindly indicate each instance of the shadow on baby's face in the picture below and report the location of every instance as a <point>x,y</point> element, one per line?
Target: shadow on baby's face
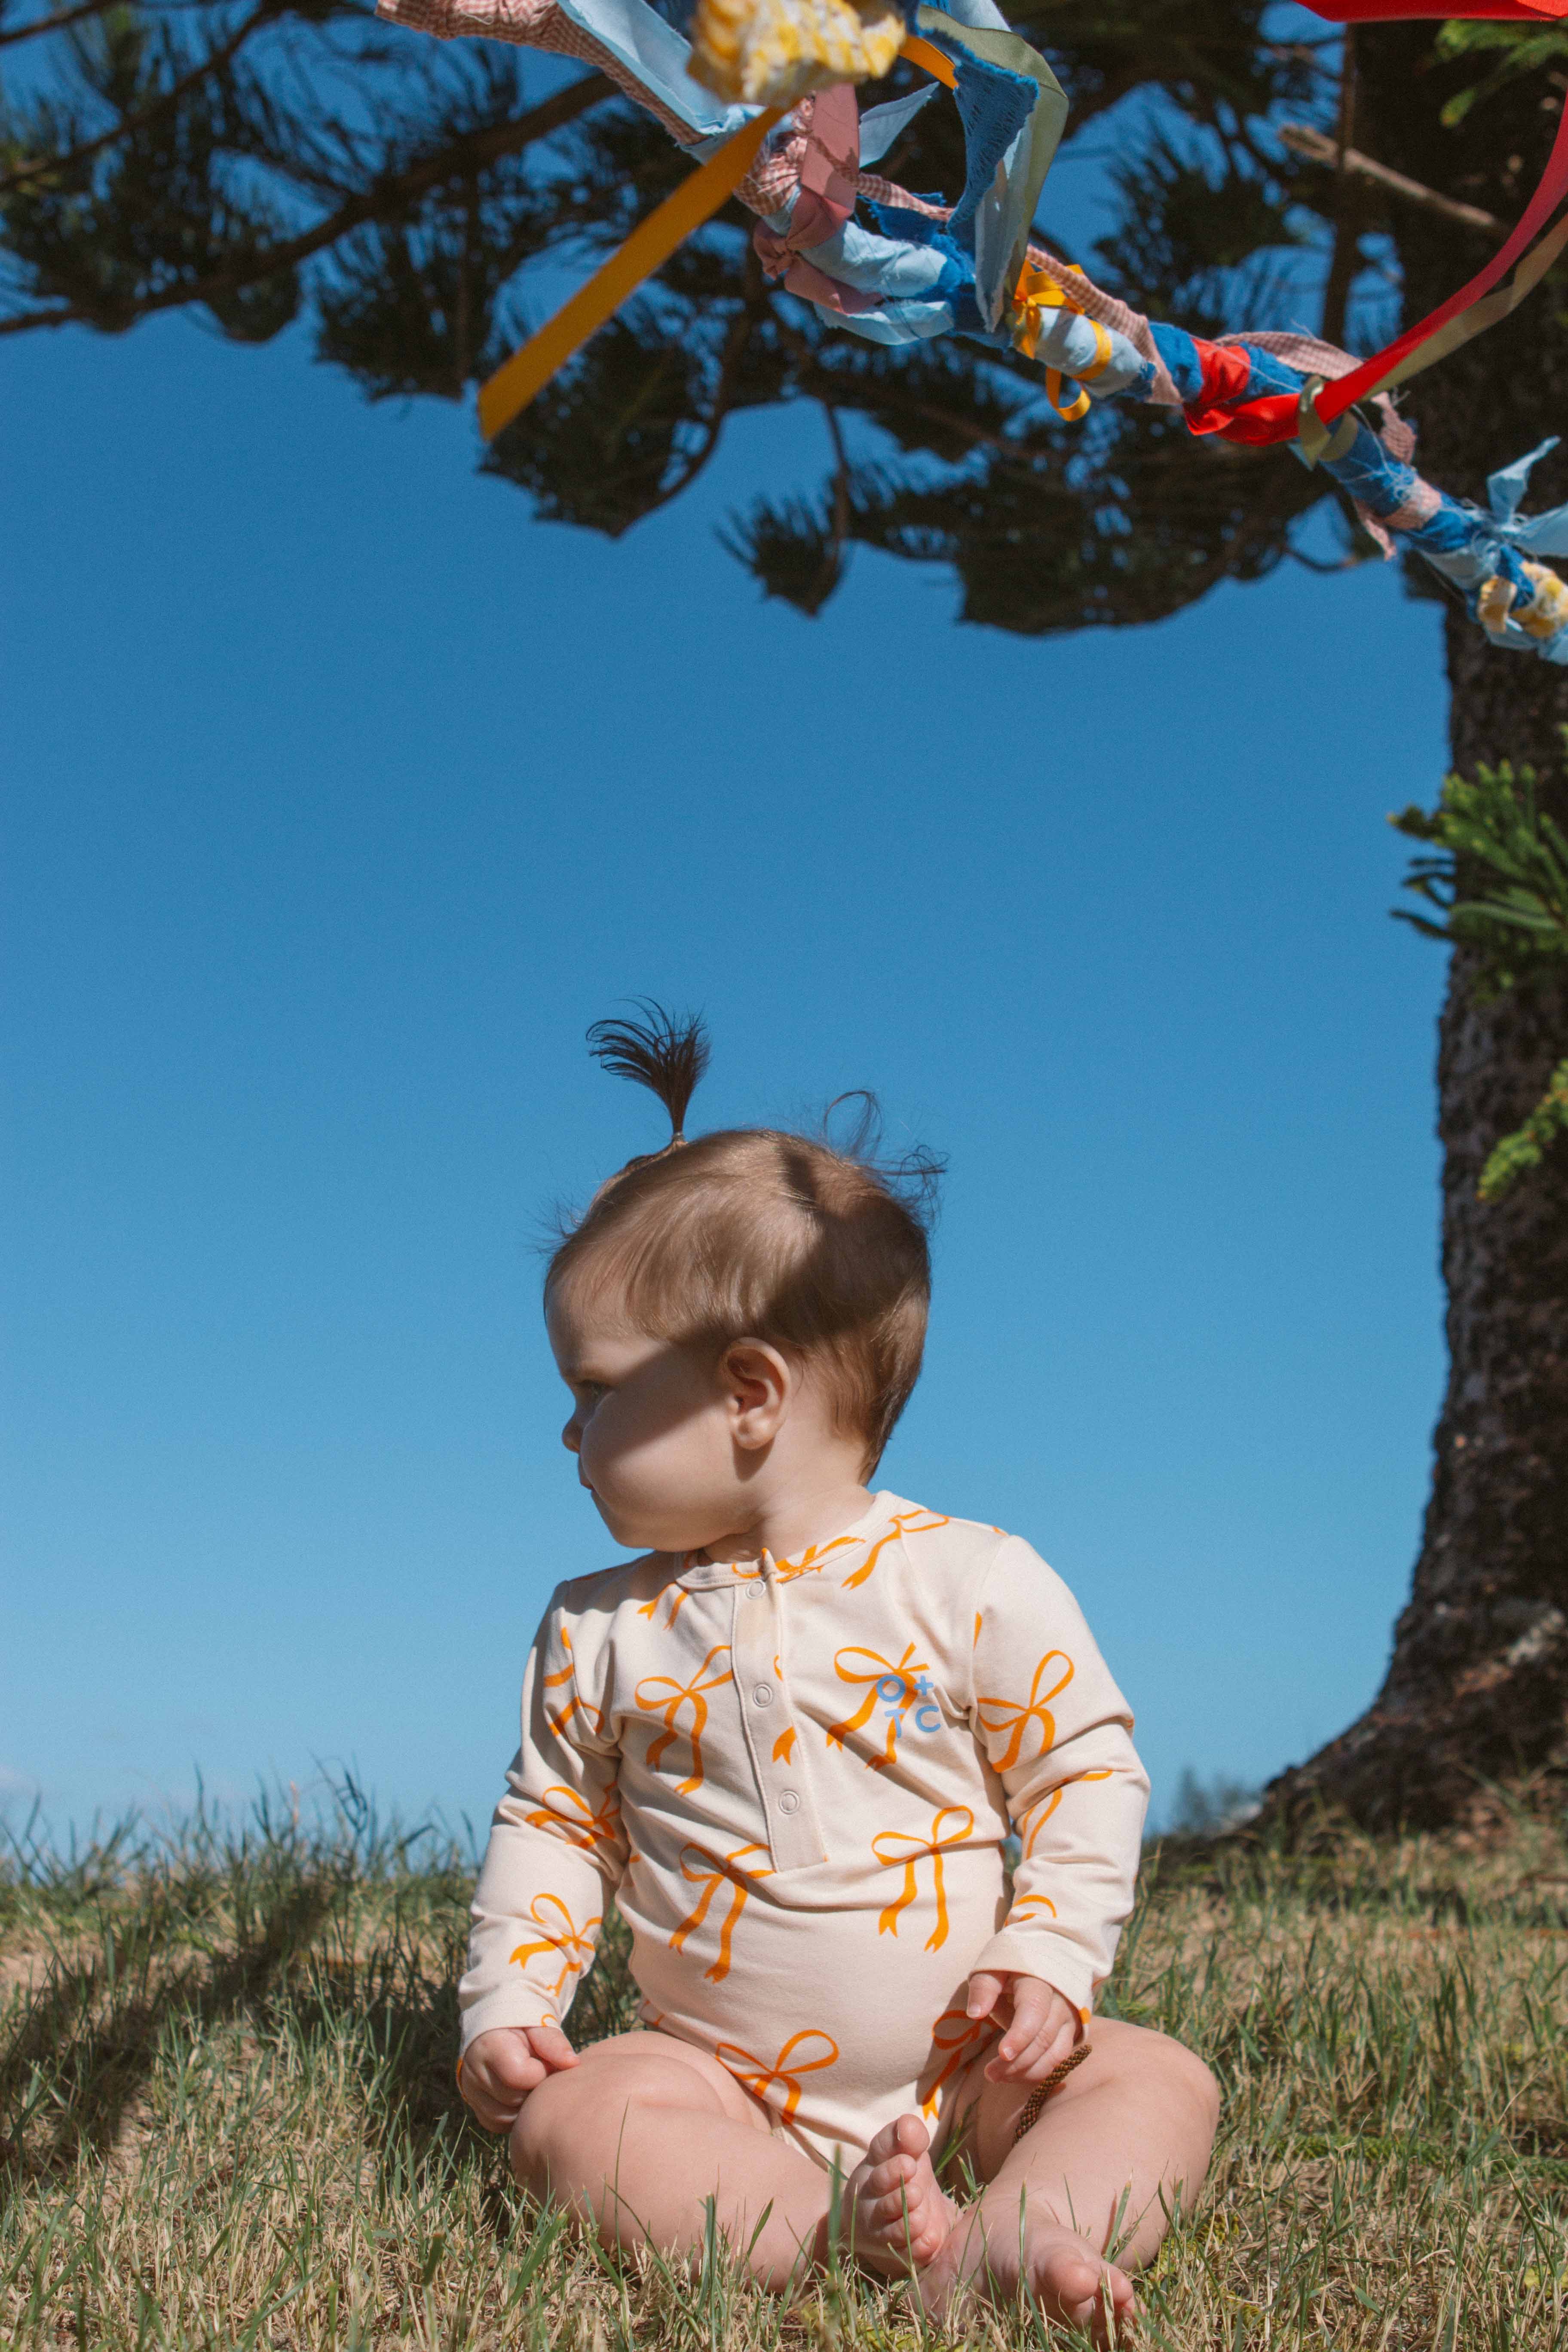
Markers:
<point>669,1436</point>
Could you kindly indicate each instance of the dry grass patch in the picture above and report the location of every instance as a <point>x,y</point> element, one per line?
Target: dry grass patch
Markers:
<point>228,2120</point>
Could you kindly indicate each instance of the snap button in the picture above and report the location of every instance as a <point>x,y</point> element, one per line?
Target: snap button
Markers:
<point>763,1695</point>
<point>789,1802</point>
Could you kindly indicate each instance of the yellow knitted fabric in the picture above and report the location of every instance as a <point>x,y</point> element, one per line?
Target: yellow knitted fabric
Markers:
<point>771,52</point>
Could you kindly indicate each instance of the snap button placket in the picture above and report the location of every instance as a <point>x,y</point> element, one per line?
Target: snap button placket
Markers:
<point>788,1818</point>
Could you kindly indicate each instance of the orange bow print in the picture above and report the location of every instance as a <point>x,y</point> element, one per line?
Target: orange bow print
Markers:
<point>650,1608</point>
<point>1000,1715</point>
<point>954,2039</point>
<point>700,1868</point>
<point>573,1945</point>
<point>559,1719</point>
<point>911,1851</point>
<point>787,1571</point>
<point>1031,1823</point>
<point>785,2073</point>
<point>905,1523</point>
<point>896,1684</point>
<point>1019,1914</point>
<point>566,1815</point>
<point>671,1698</point>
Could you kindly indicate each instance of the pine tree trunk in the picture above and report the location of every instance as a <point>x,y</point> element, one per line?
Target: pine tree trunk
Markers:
<point>1477,1689</point>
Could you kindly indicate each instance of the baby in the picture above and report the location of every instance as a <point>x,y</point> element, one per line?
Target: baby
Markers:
<point>791,1738</point>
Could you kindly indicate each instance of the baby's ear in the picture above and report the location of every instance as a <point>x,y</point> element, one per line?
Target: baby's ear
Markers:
<point>758,1382</point>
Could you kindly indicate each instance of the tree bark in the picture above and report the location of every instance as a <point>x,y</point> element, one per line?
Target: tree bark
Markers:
<point>1477,1689</point>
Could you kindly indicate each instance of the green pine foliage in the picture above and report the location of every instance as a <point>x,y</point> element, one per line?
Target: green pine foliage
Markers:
<point>1499,882</point>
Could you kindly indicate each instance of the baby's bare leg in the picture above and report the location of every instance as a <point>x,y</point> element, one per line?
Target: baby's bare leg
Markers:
<point>634,2139</point>
<point>1126,2137</point>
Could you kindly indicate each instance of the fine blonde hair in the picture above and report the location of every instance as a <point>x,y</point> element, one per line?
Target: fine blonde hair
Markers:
<point>757,1233</point>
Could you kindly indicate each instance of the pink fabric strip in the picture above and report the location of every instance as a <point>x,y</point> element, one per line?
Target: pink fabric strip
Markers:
<point>534,25</point>
<point>814,285</point>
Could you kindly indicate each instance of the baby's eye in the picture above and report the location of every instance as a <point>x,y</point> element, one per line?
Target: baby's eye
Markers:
<point>590,1392</point>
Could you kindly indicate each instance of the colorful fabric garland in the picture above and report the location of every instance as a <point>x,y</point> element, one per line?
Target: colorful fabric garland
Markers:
<point>926,269</point>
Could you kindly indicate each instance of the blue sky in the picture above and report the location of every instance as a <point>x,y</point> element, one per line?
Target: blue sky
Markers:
<point>341,797</point>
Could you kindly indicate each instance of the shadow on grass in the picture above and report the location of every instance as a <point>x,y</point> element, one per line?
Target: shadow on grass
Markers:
<point>396,2009</point>
<point>88,2035</point>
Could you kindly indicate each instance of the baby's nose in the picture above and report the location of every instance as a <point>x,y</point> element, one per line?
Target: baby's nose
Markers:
<point>572,1436</point>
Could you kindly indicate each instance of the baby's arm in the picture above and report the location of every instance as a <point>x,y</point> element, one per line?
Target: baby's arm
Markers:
<point>1058,1732</point>
<point>555,1854</point>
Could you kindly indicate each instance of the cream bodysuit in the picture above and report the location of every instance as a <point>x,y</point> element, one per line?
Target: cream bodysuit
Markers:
<point>796,1778</point>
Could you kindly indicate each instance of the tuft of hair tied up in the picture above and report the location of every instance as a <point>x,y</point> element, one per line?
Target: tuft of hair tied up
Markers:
<point>666,1055</point>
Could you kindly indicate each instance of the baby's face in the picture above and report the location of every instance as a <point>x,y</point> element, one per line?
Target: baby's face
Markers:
<point>652,1429</point>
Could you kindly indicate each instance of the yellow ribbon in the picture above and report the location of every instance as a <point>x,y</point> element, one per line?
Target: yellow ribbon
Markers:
<point>649,246</point>
<point>1038,291</point>
<point>931,60</point>
<point>521,378</point>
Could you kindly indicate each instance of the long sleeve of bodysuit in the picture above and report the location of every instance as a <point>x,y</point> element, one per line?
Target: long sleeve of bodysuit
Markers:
<point>556,1851</point>
<point>1057,1732</point>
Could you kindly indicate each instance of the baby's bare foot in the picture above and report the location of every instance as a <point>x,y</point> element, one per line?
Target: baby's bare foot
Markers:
<point>900,2217</point>
<point>1059,2270</point>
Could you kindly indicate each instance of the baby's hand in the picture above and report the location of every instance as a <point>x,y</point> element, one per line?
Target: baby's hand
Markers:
<point>496,2073</point>
<point>1041,2025</point>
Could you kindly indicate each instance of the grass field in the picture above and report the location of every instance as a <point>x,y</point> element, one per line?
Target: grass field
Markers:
<point>225,2068</point>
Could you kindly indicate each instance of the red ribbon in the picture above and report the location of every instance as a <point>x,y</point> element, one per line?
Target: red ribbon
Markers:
<point>1277,417</point>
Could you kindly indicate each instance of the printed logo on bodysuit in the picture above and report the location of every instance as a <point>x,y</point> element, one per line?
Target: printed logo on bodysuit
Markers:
<point>779,2085</point>
<point>668,1698</point>
<point>905,1694</point>
<point>1016,1717</point>
<point>950,1826</point>
<point>573,1945</point>
<point>710,1872</point>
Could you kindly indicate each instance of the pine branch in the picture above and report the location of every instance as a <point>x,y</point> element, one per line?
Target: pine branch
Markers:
<point>1527,1145</point>
<point>1317,147</point>
<point>389,192</point>
<point>56,23</point>
<point>213,62</point>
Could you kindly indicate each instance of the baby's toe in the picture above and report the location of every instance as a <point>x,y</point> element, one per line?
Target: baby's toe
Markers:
<point>1071,2281</point>
<point>905,2136</point>
<point>895,2172</point>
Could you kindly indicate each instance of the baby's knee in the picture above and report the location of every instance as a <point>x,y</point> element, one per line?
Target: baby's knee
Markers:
<point>1152,2057</point>
<point>576,2121</point>
<point>552,2123</point>
<point>1188,2078</point>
